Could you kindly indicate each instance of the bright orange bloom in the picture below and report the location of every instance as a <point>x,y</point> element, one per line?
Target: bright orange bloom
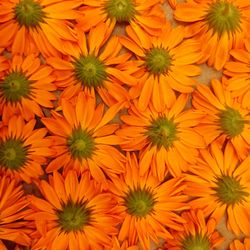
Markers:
<point>166,140</point>
<point>219,184</point>
<point>23,149</point>
<point>73,214</point>
<point>198,233</point>
<point>238,70</point>
<point>33,26</point>
<point>26,86</point>
<point>83,139</point>
<point>95,63</point>
<point>166,64</point>
<point>237,245</point>
<point>147,207</point>
<point>140,15</point>
<point>12,212</point>
<point>219,26</point>
<point>225,119</point>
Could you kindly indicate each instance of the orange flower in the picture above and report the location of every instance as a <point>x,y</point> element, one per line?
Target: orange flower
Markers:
<point>219,26</point>
<point>237,245</point>
<point>166,140</point>
<point>198,233</point>
<point>225,119</point>
<point>23,149</point>
<point>95,63</point>
<point>166,64</point>
<point>138,14</point>
<point>220,185</point>
<point>28,26</point>
<point>83,139</point>
<point>12,212</point>
<point>146,205</point>
<point>238,69</point>
<point>25,86</point>
<point>72,214</point>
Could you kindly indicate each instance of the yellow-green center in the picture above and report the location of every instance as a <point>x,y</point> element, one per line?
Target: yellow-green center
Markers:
<point>15,86</point>
<point>158,61</point>
<point>223,16</point>
<point>13,154</point>
<point>231,121</point>
<point>229,190</point>
<point>120,10</point>
<point>162,132</point>
<point>29,13</point>
<point>73,217</point>
<point>196,242</point>
<point>81,144</point>
<point>139,202</point>
<point>90,71</point>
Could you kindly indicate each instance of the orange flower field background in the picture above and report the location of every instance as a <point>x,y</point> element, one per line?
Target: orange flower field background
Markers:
<point>110,136</point>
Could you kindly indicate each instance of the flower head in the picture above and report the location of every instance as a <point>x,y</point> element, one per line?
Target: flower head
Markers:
<point>146,203</point>
<point>26,86</point>
<point>219,184</point>
<point>71,216</point>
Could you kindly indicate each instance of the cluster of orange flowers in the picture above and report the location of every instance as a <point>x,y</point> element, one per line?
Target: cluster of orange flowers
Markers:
<point>107,139</point>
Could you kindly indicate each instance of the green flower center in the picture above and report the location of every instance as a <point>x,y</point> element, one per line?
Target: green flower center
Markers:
<point>90,71</point>
<point>81,144</point>
<point>74,217</point>
<point>231,122</point>
<point>162,132</point>
<point>120,10</point>
<point>229,190</point>
<point>223,16</point>
<point>196,242</point>
<point>139,202</point>
<point>158,61</point>
<point>13,155</point>
<point>29,13</point>
<point>15,86</point>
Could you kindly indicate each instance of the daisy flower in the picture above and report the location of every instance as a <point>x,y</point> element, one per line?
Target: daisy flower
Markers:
<point>219,26</point>
<point>95,63</point>
<point>83,139</point>
<point>147,206</point>
<point>238,69</point>
<point>238,245</point>
<point>26,86</point>
<point>219,184</point>
<point>37,25</point>
<point>140,15</point>
<point>198,233</point>
<point>72,214</point>
<point>12,212</point>
<point>23,149</point>
<point>225,119</point>
<point>166,140</point>
<point>166,64</point>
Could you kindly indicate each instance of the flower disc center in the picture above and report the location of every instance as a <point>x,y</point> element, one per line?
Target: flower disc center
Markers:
<point>121,10</point>
<point>231,122</point>
<point>223,16</point>
<point>229,190</point>
<point>13,155</point>
<point>162,132</point>
<point>29,13</point>
<point>196,242</point>
<point>73,217</point>
<point>139,202</point>
<point>90,71</point>
<point>15,86</point>
<point>81,144</point>
<point>158,61</point>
